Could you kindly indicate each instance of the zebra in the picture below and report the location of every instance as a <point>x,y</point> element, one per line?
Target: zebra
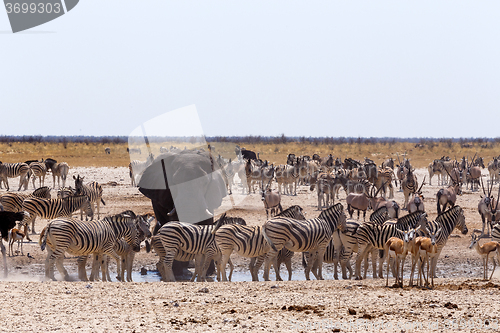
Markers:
<point>194,239</point>
<point>447,221</point>
<point>123,249</point>
<point>372,236</point>
<point>303,236</point>
<point>107,150</point>
<point>136,168</point>
<point>13,202</point>
<point>59,170</point>
<point>409,185</point>
<point>93,191</point>
<point>66,234</point>
<point>13,170</point>
<point>249,242</point>
<point>180,256</point>
<point>52,208</point>
<point>38,169</point>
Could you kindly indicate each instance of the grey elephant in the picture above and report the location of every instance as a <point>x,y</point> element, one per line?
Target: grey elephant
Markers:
<point>184,186</point>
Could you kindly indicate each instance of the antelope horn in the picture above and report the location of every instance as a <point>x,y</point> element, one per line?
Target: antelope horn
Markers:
<point>398,158</point>
<point>420,189</point>
<point>498,197</point>
<point>453,180</point>
<point>491,189</point>
<point>483,187</point>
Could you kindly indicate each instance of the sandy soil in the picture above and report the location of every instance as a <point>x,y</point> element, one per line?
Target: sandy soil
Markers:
<point>460,300</point>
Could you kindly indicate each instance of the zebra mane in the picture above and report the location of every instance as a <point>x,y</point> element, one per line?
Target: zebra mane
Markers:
<point>41,192</point>
<point>332,216</point>
<point>223,220</point>
<point>335,209</point>
<point>444,215</point>
<point>290,211</point>
<point>380,215</point>
<point>409,220</point>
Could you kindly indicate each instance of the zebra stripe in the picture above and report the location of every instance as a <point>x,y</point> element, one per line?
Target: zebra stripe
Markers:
<point>93,191</point>
<point>13,170</point>
<point>38,169</point>
<point>249,242</point>
<point>303,236</point>
<point>190,238</point>
<point>380,216</point>
<point>495,232</point>
<point>52,208</point>
<point>79,238</point>
<point>13,202</point>
<point>65,192</point>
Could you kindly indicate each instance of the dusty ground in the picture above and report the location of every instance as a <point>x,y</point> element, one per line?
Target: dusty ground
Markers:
<point>460,297</point>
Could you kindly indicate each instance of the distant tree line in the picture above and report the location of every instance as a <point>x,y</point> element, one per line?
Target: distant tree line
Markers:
<point>257,139</point>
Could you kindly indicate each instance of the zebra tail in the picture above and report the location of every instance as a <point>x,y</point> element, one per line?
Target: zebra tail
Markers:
<point>103,202</point>
<point>43,237</point>
<point>267,238</point>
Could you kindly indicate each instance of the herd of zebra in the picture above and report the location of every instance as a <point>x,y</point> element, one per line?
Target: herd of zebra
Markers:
<point>330,237</point>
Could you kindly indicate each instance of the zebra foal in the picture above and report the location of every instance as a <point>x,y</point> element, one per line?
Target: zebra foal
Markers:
<point>310,236</point>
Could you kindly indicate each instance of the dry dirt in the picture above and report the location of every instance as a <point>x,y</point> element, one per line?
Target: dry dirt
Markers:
<point>460,300</point>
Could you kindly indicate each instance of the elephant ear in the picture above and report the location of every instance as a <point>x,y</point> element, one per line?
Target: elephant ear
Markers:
<point>153,178</point>
<point>216,190</point>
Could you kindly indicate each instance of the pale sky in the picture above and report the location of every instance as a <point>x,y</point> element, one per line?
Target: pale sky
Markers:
<point>302,68</point>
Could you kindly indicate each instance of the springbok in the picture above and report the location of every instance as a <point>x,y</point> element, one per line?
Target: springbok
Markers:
<point>484,251</point>
<point>427,249</point>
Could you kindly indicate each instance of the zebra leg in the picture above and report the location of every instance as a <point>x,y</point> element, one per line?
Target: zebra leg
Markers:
<point>288,264</point>
<point>255,264</point>
<point>49,265</point>
<point>199,261</point>
<point>319,258</point>
<point>434,262</point>
<point>224,260</point>
<point>60,267</point>
<point>231,269</point>
<point>272,257</point>
<point>112,253</point>
<point>311,265</point>
<point>362,250</point>
<point>381,255</point>
<point>252,269</point>
<point>82,274</point>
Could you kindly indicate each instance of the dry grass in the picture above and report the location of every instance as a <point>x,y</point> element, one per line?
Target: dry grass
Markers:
<point>92,154</point>
<point>75,154</point>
